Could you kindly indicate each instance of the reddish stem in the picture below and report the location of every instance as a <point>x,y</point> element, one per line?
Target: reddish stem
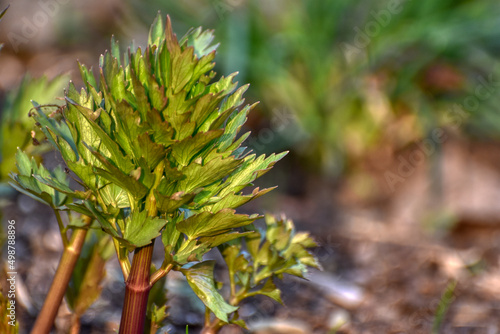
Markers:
<point>137,289</point>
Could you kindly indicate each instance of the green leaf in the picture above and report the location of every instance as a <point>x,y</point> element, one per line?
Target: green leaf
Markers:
<point>78,207</point>
<point>237,262</point>
<point>204,108</point>
<point>182,70</point>
<point>115,50</point>
<point>128,124</point>
<point>208,224</point>
<point>61,186</point>
<point>85,173</point>
<point>217,240</point>
<point>158,314</point>
<point>105,224</point>
<point>58,129</point>
<point>250,170</point>
<point>169,204</point>
<point>199,176</point>
<point>170,235</point>
<point>29,190</point>
<point>113,174</point>
<point>157,97</point>
<point>115,196</point>
<point>269,289</point>
<point>151,152</point>
<point>157,31</point>
<point>200,41</point>
<point>225,84</point>
<point>185,150</point>
<point>235,99</point>
<point>112,147</point>
<point>140,95</point>
<point>189,251</point>
<point>233,127</point>
<point>163,132</point>
<point>200,277</point>
<point>40,184</point>
<point>87,76</point>
<point>140,228</point>
<point>234,201</point>
<point>23,163</point>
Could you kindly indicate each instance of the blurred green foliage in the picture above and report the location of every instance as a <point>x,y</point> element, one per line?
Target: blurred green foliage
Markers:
<point>17,126</point>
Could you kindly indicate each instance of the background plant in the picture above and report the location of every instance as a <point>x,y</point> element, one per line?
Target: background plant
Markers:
<point>16,121</point>
<point>346,101</point>
<point>264,257</point>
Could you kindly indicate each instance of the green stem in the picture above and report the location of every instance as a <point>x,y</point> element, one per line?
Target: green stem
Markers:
<point>137,289</point>
<point>45,319</point>
<point>160,273</point>
<point>122,259</point>
<point>214,326</point>
<point>62,229</point>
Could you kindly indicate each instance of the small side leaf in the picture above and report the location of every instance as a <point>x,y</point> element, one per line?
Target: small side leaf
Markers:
<point>200,277</point>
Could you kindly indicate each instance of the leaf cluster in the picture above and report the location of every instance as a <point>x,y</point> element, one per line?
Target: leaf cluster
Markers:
<point>49,187</point>
<point>266,255</point>
<point>154,143</point>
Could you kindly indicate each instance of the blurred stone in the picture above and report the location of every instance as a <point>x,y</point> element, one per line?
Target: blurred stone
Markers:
<point>343,293</point>
<point>246,310</point>
<point>338,318</point>
<point>275,326</point>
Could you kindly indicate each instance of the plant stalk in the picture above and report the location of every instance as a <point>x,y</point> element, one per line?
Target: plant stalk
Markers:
<point>137,289</point>
<point>75,324</point>
<point>212,328</point>
<point>47,315</point>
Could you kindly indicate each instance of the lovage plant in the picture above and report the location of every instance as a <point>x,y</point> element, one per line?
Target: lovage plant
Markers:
<point>153,144</point>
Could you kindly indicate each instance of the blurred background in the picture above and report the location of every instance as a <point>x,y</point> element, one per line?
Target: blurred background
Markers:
<point>390,111</point>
